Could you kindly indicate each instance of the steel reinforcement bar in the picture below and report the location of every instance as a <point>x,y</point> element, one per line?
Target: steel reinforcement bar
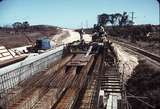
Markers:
<point>35,88</point>
<point>71,95</point>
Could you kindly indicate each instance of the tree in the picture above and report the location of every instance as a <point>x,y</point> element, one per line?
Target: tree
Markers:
<point>25,24</point>
<point>103,19</point>
<point>20,26</point>
<point>118,17</point>
<point>124,19</point>
<point>114,19</point>
<point>17,25</point>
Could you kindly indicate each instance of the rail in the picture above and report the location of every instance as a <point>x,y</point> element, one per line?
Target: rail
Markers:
<point>141,51</point>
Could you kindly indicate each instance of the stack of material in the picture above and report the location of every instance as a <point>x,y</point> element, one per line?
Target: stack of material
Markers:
<point>26,102</point>
<point>67,100</point>
<point>67,81</point>
<point>71,95</point>
<point>47,101</point>
<point>7,56</point>
<point>89,99</point>
<point>79,60</point>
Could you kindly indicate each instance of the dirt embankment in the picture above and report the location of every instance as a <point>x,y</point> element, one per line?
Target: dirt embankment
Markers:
<point>144,82</point>
<point>127,61</point>
<point>68,36</point>
<point>12,38</point>
<point>142,79</point>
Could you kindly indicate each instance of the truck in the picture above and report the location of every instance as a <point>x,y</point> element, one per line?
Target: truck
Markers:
<point>42,44</point>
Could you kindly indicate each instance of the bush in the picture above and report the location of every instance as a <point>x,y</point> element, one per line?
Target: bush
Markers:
<point>145,81</point>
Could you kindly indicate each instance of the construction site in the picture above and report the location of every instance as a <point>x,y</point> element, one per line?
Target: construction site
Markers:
<point>102,67</point>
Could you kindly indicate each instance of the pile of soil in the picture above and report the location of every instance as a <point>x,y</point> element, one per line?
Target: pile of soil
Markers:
<point>11,38</point>
<point>144,82</point>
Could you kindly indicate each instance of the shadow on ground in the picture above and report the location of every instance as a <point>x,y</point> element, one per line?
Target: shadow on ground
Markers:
<point>144,82</point>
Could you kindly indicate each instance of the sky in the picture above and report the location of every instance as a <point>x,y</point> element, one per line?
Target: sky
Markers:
<point>75,13</point>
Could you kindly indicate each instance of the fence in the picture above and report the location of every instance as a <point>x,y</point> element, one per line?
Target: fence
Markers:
<point>10,76</point>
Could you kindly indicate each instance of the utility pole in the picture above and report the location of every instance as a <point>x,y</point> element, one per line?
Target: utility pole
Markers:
<point>159,25</point>
<point>132,16</point>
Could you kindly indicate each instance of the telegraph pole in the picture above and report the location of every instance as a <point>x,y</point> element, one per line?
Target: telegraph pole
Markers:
<point>132,16</point>
<point>159,25</point>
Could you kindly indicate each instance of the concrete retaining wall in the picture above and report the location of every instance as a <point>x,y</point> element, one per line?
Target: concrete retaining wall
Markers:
<point>15,73</point>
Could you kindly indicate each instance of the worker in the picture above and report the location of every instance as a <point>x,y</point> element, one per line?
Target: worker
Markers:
<point>81,32</point>
<point>102,31</point>
<point>95,28</point>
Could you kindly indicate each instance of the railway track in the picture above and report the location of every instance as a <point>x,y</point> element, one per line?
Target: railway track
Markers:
<point>89,97</point>
<point>145,53</point>
<point>111,84</point>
